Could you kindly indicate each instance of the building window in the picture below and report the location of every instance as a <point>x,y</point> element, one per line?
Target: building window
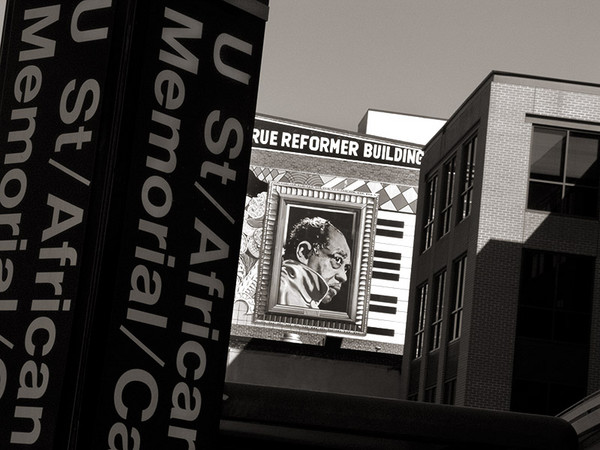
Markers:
<point>458,294</point>
<point>429,219</point>
<point>421,313</point>
<point>448,192</point>
<point>552,351</point>
<point>543,397</point>
<point>556,297</point>
<point>467,175</point>
<point>437,306</point>
<point>564,171</point>
<point>429,395</point>
<point>449,392</point>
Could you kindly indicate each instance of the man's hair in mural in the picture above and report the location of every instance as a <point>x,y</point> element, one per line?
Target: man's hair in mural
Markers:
<point>315,230</point>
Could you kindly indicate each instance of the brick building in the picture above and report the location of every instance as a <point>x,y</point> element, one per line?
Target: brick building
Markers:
<point>504,308</point>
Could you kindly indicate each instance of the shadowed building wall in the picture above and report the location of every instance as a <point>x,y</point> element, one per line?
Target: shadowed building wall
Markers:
<point>497,225</point>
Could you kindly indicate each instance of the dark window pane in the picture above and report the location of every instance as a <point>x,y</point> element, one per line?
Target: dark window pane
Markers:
<point>574,291</point>
<point>553,331</point>
<point>545,197</point>
<point>529,396</point>
<point>582,159</point>
<point>581,201</point>
<point>562,396</point>
<point>429,396</point>
<point>536,397</point>
<point>534,323</point>
<point>449,392</point>
<point>547,151</point>
<point>555,296</point>
<point>572,327</point>
<point>539,279</point>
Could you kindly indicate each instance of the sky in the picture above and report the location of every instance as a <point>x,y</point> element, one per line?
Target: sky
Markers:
<point>326,62</point>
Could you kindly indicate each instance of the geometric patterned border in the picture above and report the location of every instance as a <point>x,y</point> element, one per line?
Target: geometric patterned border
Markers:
<point>392,197</point>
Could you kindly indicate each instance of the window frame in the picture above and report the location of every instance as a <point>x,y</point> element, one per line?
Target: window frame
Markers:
<point>459,269</point>
<point>447,195</point>
<point>430,394</point>
<point>420,318</point>
<point>554,315</point>
<point>563,183</point>
<point>467,176</point>
<point>429,214</point>
<point>449,394</point>
<point>437,310</point>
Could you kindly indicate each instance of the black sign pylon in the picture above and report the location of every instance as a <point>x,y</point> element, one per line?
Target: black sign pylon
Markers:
<point>126,132</point>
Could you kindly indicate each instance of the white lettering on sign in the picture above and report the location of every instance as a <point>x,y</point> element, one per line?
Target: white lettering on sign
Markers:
<point>313,143</point>
<point>44,330</point>
<point>392,154</point>
<point>265,137</point>
<point>221,44</point>
<point>230,126</point>
<point>3,378</point>
<point>93,34</point>
<point>182,58</point>
<point>156,194</point>
<point>43,47</point>
<point>79,103</point>
<point>221,140</point>
<point>328,145</point>
<point>13,188</point>
<point>135,377</point>
<point>151,256</point>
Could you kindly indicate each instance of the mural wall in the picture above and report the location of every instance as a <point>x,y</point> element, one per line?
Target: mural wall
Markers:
<point>375,217</point>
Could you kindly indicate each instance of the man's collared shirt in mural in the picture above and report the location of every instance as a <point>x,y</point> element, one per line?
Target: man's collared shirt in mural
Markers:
<point>300,285</point>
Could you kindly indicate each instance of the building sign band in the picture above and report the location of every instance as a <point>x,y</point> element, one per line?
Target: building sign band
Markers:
<point>278,135</point>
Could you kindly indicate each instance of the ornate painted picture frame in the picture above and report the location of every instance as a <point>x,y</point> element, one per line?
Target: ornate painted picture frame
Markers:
<point>316,258</point>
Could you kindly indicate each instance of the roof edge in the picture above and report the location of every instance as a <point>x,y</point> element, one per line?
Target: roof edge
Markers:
<point>494,74</point>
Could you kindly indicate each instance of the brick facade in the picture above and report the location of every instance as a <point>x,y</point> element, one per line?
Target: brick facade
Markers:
<point>502,112</point>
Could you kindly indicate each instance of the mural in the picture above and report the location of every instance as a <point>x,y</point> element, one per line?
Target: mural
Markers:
<point>316,258</point>
<point>392,250</point>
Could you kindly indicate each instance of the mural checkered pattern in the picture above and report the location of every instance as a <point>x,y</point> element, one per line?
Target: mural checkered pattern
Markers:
<point>392,197</point>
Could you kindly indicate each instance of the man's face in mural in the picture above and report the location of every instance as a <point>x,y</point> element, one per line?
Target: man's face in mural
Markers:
<point>331,261</point>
